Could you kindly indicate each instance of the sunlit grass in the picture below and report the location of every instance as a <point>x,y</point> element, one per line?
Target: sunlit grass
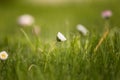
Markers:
<point>42,57</point>
<point>71,60</point>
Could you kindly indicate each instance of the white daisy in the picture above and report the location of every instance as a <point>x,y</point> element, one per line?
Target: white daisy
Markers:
<point>26,20</point>
<point>61,37</point>
<point>3,55</point>
<point>82,29</point>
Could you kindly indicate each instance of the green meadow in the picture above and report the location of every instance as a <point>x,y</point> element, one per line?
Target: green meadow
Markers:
<point>42,57</point>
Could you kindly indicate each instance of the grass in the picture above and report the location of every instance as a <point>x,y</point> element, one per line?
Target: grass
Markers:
<point>42,58</point>
<point>71,60</point>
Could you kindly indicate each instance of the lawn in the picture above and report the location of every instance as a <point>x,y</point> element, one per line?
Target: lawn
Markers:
<point>42,57</point>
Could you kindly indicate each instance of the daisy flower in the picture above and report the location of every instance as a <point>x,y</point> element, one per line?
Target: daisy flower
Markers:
<point>106,14</point>
<point>3,55</point>
<point>26,20</point>
<point>82,29</point>
<point>61,37</point>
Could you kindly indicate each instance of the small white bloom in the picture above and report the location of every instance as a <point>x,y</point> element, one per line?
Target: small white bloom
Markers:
<point>3,55</point>
<point>26,20</point>
<point>60,37</point>
<point>82,29</point>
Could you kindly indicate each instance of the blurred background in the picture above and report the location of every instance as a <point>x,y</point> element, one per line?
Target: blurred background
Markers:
<point>57,15</point>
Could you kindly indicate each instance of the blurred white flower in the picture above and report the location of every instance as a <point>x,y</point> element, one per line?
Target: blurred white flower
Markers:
<point>26,20</point>
<point>3,55</point>
<point>36,30</point>
<point>61,37</point>
<point>82,29</point>
<point>106,14</point>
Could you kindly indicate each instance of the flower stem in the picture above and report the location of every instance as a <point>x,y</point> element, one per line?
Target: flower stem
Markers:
<point>28,39</point>
<point>103,37</point>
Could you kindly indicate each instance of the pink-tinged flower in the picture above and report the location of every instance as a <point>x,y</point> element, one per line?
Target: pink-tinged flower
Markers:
<point>26,20</point>
<point>106,14</point>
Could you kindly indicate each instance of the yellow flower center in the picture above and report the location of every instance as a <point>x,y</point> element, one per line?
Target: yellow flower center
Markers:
<point>3,56</point>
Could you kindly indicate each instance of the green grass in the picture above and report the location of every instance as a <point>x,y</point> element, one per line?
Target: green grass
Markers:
<point>43,58</point>
<point>74,59</point>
